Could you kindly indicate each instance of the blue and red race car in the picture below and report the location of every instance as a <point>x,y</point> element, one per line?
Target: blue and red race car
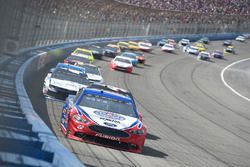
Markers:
<point>104,115</point>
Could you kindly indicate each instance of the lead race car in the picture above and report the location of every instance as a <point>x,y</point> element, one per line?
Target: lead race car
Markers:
<point>104,115</point>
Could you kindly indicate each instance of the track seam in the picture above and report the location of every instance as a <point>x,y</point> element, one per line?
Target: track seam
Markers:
<point>175,131</point>
<point>192,78</point>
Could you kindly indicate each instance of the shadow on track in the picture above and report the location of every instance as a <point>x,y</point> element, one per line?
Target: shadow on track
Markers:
<point>148,151</point>
<point>152,137</point>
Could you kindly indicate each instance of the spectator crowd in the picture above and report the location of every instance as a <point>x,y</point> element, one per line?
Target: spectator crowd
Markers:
<point>144,11</point>
<point>229,7</point>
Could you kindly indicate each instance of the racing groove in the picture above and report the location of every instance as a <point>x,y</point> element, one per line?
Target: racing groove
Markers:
<point>192,118</point>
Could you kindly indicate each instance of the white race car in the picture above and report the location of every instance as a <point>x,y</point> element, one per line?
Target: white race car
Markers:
<point>93,73</point>
<point>184,42</point>
<point>145,46</point>
<point>64,80</point>
<point>204,56</point>
<point>122,63</point>
<point>191,49</point>
<point>240,38</point>
<point>168,48</point>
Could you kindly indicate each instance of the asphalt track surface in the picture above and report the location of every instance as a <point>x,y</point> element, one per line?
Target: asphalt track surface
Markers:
<point>193,119</point>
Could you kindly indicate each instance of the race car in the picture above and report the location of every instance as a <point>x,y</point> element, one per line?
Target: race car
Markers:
<point>131,56</point>
<point>110,51</point>
<point>191,49</point>
<point>63,80</point>
<point>204,56</point>
<point>147,42</point>
<point>184,42</point>
<point>115,46</point>
<point>76,60</point>
<point>84,53</point>
<point>133,45</point>
<point>204,40</point>
<point>200,46</point>
<point>227,42</point>
<point>122,63</point>
<point>247,36</point>
<point>140,57</point>
<point>96,51</point>
<point>104,115</point>
<point>93,73</point>
<point>171,42</point>
<point>123,45</point>
<point>147,47</point>
<point>229,49</point>
<point>162,42</point>
<point>168,47</point>
<point>217,54</point>
<point>240,38</point>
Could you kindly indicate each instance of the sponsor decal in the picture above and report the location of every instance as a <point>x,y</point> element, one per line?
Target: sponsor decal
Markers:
<point>107,137</point>
<point>109,124</point>
<point>111,120</point>
<point>80,127</point>
<point>109,115</point>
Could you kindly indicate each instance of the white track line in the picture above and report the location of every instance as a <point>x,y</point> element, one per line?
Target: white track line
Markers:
<point>227,85</point>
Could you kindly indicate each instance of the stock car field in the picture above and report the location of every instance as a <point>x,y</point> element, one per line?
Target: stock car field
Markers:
<point>192,118</point>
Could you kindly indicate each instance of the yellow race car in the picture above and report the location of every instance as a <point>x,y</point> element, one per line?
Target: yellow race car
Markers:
<point>200,46</point>
<point>229,49</point>
<point>123,45</point>
<point>133,45</point>
<point>84,53</point>
<point>115,46</point>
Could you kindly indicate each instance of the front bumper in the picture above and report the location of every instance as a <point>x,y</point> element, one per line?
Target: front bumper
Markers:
<point>132,143</point>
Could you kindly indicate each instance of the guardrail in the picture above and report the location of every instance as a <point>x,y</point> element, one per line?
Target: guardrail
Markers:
<point>62,157</point>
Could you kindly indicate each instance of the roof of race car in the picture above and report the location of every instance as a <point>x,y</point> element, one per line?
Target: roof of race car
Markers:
<point>109,91</point>
<point>128,54</point>
<point>78,58</point>
<point>70,67</point>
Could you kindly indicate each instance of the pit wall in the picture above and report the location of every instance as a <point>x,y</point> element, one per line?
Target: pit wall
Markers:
<point>42,56</point>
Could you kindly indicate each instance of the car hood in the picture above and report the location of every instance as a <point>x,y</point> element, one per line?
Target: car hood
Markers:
<point>69,85</point>
<point>109,119</point>
<point>94,77</point>
<point>121,64</point>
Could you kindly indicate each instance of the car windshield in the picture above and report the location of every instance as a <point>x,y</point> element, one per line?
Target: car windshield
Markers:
<point>111,48</point>
<point>108,104</point>
<point>205,54</point>
<point>185,40</point>
<point>193,47</point>
<point>91,69</point>
<point>122,44</point>
<point>219,52</point>
<point>134,44</point>
<point>82,52</point>
<point>77,58</point>
<point>168,45</point>
<point>143,44</point>
<point>130,55</point>
<point>64,74</point>
<point>122,60</point>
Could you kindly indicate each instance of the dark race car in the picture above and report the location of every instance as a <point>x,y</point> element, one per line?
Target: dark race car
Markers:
<point>227,43</point>
<point>104,115</point>
<point>76,60</point>
<point>204,40</point>
<point>110,51</point>
<point>218,54</point>
<point>97,51</point>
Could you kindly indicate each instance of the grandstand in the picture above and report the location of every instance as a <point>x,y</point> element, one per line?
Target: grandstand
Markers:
<point>185,11</point>
<point>227,7</point>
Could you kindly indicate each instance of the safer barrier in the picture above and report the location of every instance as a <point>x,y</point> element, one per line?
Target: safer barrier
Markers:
<point>62,157</point>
